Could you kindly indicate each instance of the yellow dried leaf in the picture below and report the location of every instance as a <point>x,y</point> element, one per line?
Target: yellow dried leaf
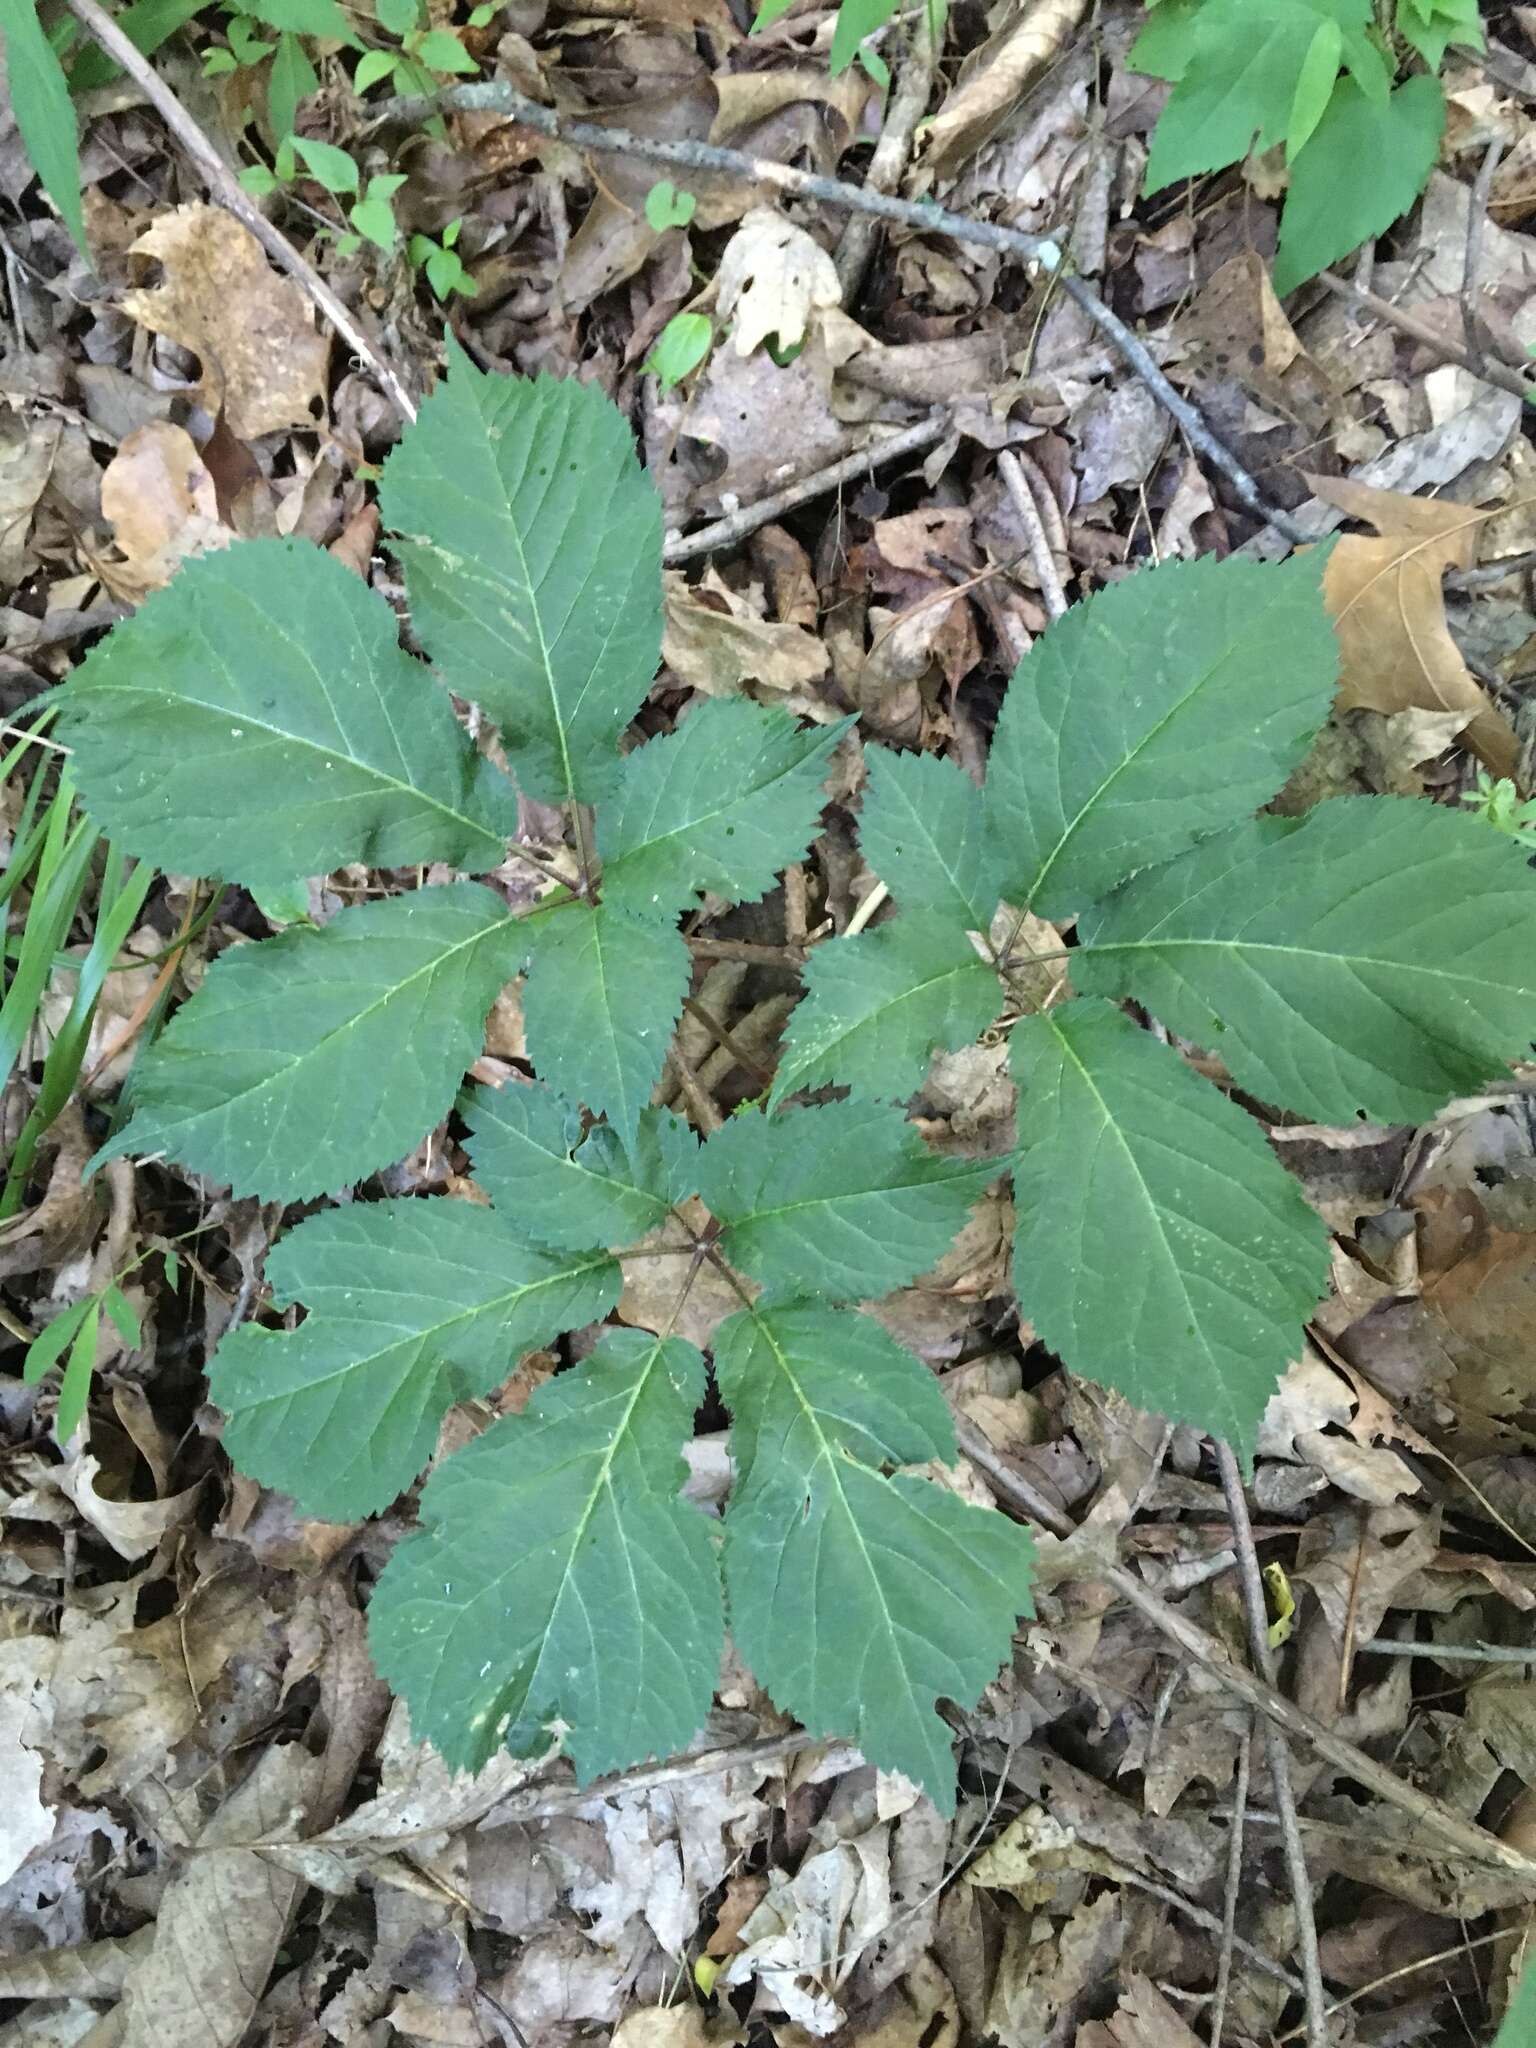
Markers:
<point>1389,608</point>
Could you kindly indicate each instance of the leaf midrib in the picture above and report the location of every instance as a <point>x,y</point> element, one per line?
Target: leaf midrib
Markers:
<point>829,1454</point>
<point>1124,766</point>
<point>1111,1124</point>
<point>1478,984</point>
<point>174,702</point>
<point>351,1023</point>
<point>432,1333</point>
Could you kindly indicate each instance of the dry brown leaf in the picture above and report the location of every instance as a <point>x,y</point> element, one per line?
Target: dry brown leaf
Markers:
<point>1144,2019</point>
<point>772,277</point>
<point>673,2026</point>
<point>221,1922</point>
<point>994,81</point>
<point>27,451</point>
<point>720,647</point>
<point>1389,608</point>
<point>163,507</point>
<point>1482,1303</point>
<point>252,330</point>
<point>25,1822</point>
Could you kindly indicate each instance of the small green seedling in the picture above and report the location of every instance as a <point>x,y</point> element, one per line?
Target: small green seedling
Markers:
<point>680,348</point>
<point>443,264</point>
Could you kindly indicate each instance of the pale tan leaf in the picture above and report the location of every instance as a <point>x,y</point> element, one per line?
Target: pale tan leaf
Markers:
<point>715,643</point>
<point>772,277</point>
<point>1388,606</point>
<point>224,1916</point>
<point>252,331</point>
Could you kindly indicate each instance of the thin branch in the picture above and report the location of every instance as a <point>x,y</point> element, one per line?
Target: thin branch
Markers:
<point>225,189</point>
<point>498,98</point>
<point>1276,1755</point>
<point>906,107</point>
<point>1234,1883</point>
<point>1022,498</point>
<point>1472,271</point>
<point>1433,1815</point>
<point>1420,330</point>
<point>1445,1653</point>
<point>735,526</point>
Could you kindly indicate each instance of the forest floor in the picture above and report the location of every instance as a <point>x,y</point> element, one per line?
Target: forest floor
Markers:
<point>214,1825</point>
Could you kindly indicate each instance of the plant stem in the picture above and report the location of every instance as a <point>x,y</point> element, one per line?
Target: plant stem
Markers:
<point>1276,1755</point>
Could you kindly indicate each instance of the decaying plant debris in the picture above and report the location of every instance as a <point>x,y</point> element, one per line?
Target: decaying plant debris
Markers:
<point>213,1824</point>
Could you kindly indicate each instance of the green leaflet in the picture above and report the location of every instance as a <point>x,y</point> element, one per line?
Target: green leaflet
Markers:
<point>1237,83</point>
<point>531,540</point>
<point>411,1306</point>
<point>1377,958</point>
<point>923,831</point>
<point>1519,2027</point>
<point>858,1599</point>
<point>313,1058</point>
<point>1158,711</point>
<point>856,19</point>
<point>39,98</point>
<point>557,1574</point>
<point>556,1188</point>
<point>258,717</point>
<point>877,1005</point>
<point>724,803</point>
<point>1162,1249</point>
<point>1330,207</point>
<point>844,1200</point>
<point>604,993</point>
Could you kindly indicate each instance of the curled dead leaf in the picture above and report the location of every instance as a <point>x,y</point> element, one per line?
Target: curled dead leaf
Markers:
<point>993,81</point>
<point>163,506</point>
<point>1389,608</point>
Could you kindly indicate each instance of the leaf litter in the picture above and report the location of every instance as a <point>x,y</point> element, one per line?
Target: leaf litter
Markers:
<point>214,1825</point>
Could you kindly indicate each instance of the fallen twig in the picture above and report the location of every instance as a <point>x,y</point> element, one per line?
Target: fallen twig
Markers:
<point>1420,330</point>
<point>748,518</point>
<point>498,98</point>
<point>1454,1832</point>
<point>1023,501</point>
<point>224,188</point>
<point>1234,1882</point>
<point>906,107</point>
<point>1276,1754</point>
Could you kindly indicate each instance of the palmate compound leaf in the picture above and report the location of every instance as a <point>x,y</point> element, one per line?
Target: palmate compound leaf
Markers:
<point>1373,959</point>
<point>1159,710</point>
<point>412,1305</point>
<point>604,992</point>
<point>316,1057</point>
<point>878,1004</point>
<point>724,803</point>
<point>858,1598</point>
<point>844,1200</point>
<point>1161,1249</point>
<point>924,832</point>
<point>531,541</point>
<point>558,1575</point>
<point>258,718</point>
<point>554,1187</point>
